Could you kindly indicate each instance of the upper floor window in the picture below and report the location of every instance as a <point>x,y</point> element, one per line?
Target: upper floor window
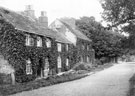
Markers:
<point>59,47</point>
<point>83,47</point>
<point>48,43</point>
<point>28,67</point>
<point>29,40</point>
<point>39,42</point>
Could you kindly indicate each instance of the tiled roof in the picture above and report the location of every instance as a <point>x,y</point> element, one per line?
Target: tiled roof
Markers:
<point>27,24</point>
<point>78,33</point>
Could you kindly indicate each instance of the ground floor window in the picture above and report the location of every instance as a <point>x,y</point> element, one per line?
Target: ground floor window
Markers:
<point>88,59</point>
<point>28,67</point>
<point>46,67</point>
<point>59,63</point>
<point>67,62</point>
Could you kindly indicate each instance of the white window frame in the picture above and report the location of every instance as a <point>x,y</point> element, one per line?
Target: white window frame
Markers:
<point>29,40</point>
<point>59,47</point>
<point>88,48</point>
<point>39,42</point>
<point>48,43</point>
<point>67,47</point>
<point>67,62</point>
<point>46,67</point>
<point>28,67</point>
<point>88,59</point>
<point>59,62</point>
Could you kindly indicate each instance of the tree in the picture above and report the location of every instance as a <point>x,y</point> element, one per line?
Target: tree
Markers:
<point>105,42</point>
<point>121,14</point>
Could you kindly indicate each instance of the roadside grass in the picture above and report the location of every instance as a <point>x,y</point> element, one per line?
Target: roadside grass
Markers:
<point>131,91</point>
<point>51,80</point>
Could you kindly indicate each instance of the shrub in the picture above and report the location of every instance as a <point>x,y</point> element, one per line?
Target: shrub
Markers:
<point>82,66</point>
<point>25,78</point>
<point>98,62</point>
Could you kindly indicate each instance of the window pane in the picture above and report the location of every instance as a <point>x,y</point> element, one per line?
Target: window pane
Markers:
<point>59,62</point>
<point>48,43</point>
<point>28,67</point>
<point>39,41</point>
<point>59,47</point>
<point>67,62</point>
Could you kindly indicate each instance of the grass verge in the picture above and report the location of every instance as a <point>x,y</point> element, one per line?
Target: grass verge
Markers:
<point>13,89</point>
<point>67,76</point>
<point>131,91</point>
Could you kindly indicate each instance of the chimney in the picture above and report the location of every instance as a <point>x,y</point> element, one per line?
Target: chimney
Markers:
<point>43,19</point>
<point>29,11</point>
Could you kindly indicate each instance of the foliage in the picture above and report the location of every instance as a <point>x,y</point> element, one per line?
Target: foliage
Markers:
<point>12,89</point>
<point>105,42</point>
<point>121,14</point>
<point>82,66</point>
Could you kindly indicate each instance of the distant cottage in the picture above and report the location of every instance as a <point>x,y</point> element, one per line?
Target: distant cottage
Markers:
<point>34,50</point>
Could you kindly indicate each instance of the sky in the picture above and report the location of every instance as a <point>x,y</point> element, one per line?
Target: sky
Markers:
<point>58,8</point>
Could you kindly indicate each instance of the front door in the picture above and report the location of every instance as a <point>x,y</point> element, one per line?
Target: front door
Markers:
<point>40,69</point>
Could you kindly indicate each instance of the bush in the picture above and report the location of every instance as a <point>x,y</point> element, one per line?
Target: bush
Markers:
<point>5,78</point>
<point>98,62</point>
<point>12,89</point>
<point>82,66</point>
<point>25,78</point>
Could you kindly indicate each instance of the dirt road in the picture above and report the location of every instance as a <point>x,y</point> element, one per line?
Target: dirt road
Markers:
<point>109,82</point>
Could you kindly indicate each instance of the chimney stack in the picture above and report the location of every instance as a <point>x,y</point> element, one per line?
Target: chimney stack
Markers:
<point>43,19</point>
<point>29,11</point>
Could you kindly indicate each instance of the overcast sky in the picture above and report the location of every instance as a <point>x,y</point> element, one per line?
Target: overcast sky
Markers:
<point>58,8</point>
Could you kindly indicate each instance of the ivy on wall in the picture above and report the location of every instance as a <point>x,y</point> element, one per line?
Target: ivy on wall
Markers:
<point>12,47</point>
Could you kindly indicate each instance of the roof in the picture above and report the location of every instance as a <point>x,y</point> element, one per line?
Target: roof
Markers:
<point>78,33</point>
<point>27,24</point>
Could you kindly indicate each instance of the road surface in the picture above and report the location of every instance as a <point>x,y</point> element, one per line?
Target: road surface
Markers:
<point>113,81</point>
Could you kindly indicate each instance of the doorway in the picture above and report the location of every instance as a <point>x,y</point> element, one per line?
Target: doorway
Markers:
<point>39,68</point>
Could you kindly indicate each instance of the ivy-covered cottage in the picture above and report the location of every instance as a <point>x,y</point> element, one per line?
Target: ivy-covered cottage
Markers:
<point>81,48</point>
<point>31,49</point>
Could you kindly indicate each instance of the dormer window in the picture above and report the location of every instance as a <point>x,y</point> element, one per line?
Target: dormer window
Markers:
<point>59,47</point>
<point>48,43</point>
<point>39,42</point>
<point>29,40</point>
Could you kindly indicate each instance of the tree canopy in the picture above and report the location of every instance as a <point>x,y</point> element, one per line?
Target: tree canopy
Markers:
<point>105,42</point>
<point>121,14</point>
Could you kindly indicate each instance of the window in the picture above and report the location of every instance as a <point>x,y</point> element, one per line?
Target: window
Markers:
<point>59,47</point>
<point>67,62</point>
<point>28,67</point>
<point>46,63</point>
<point>29,40</point>
<point>83,47</point>
<point>39,42</point>
<point>67,47</point>
<point>87,47</point>
<point>59,62</point>
<point>48,43</point>
<point>46,67</point>
<point>88,59</point>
